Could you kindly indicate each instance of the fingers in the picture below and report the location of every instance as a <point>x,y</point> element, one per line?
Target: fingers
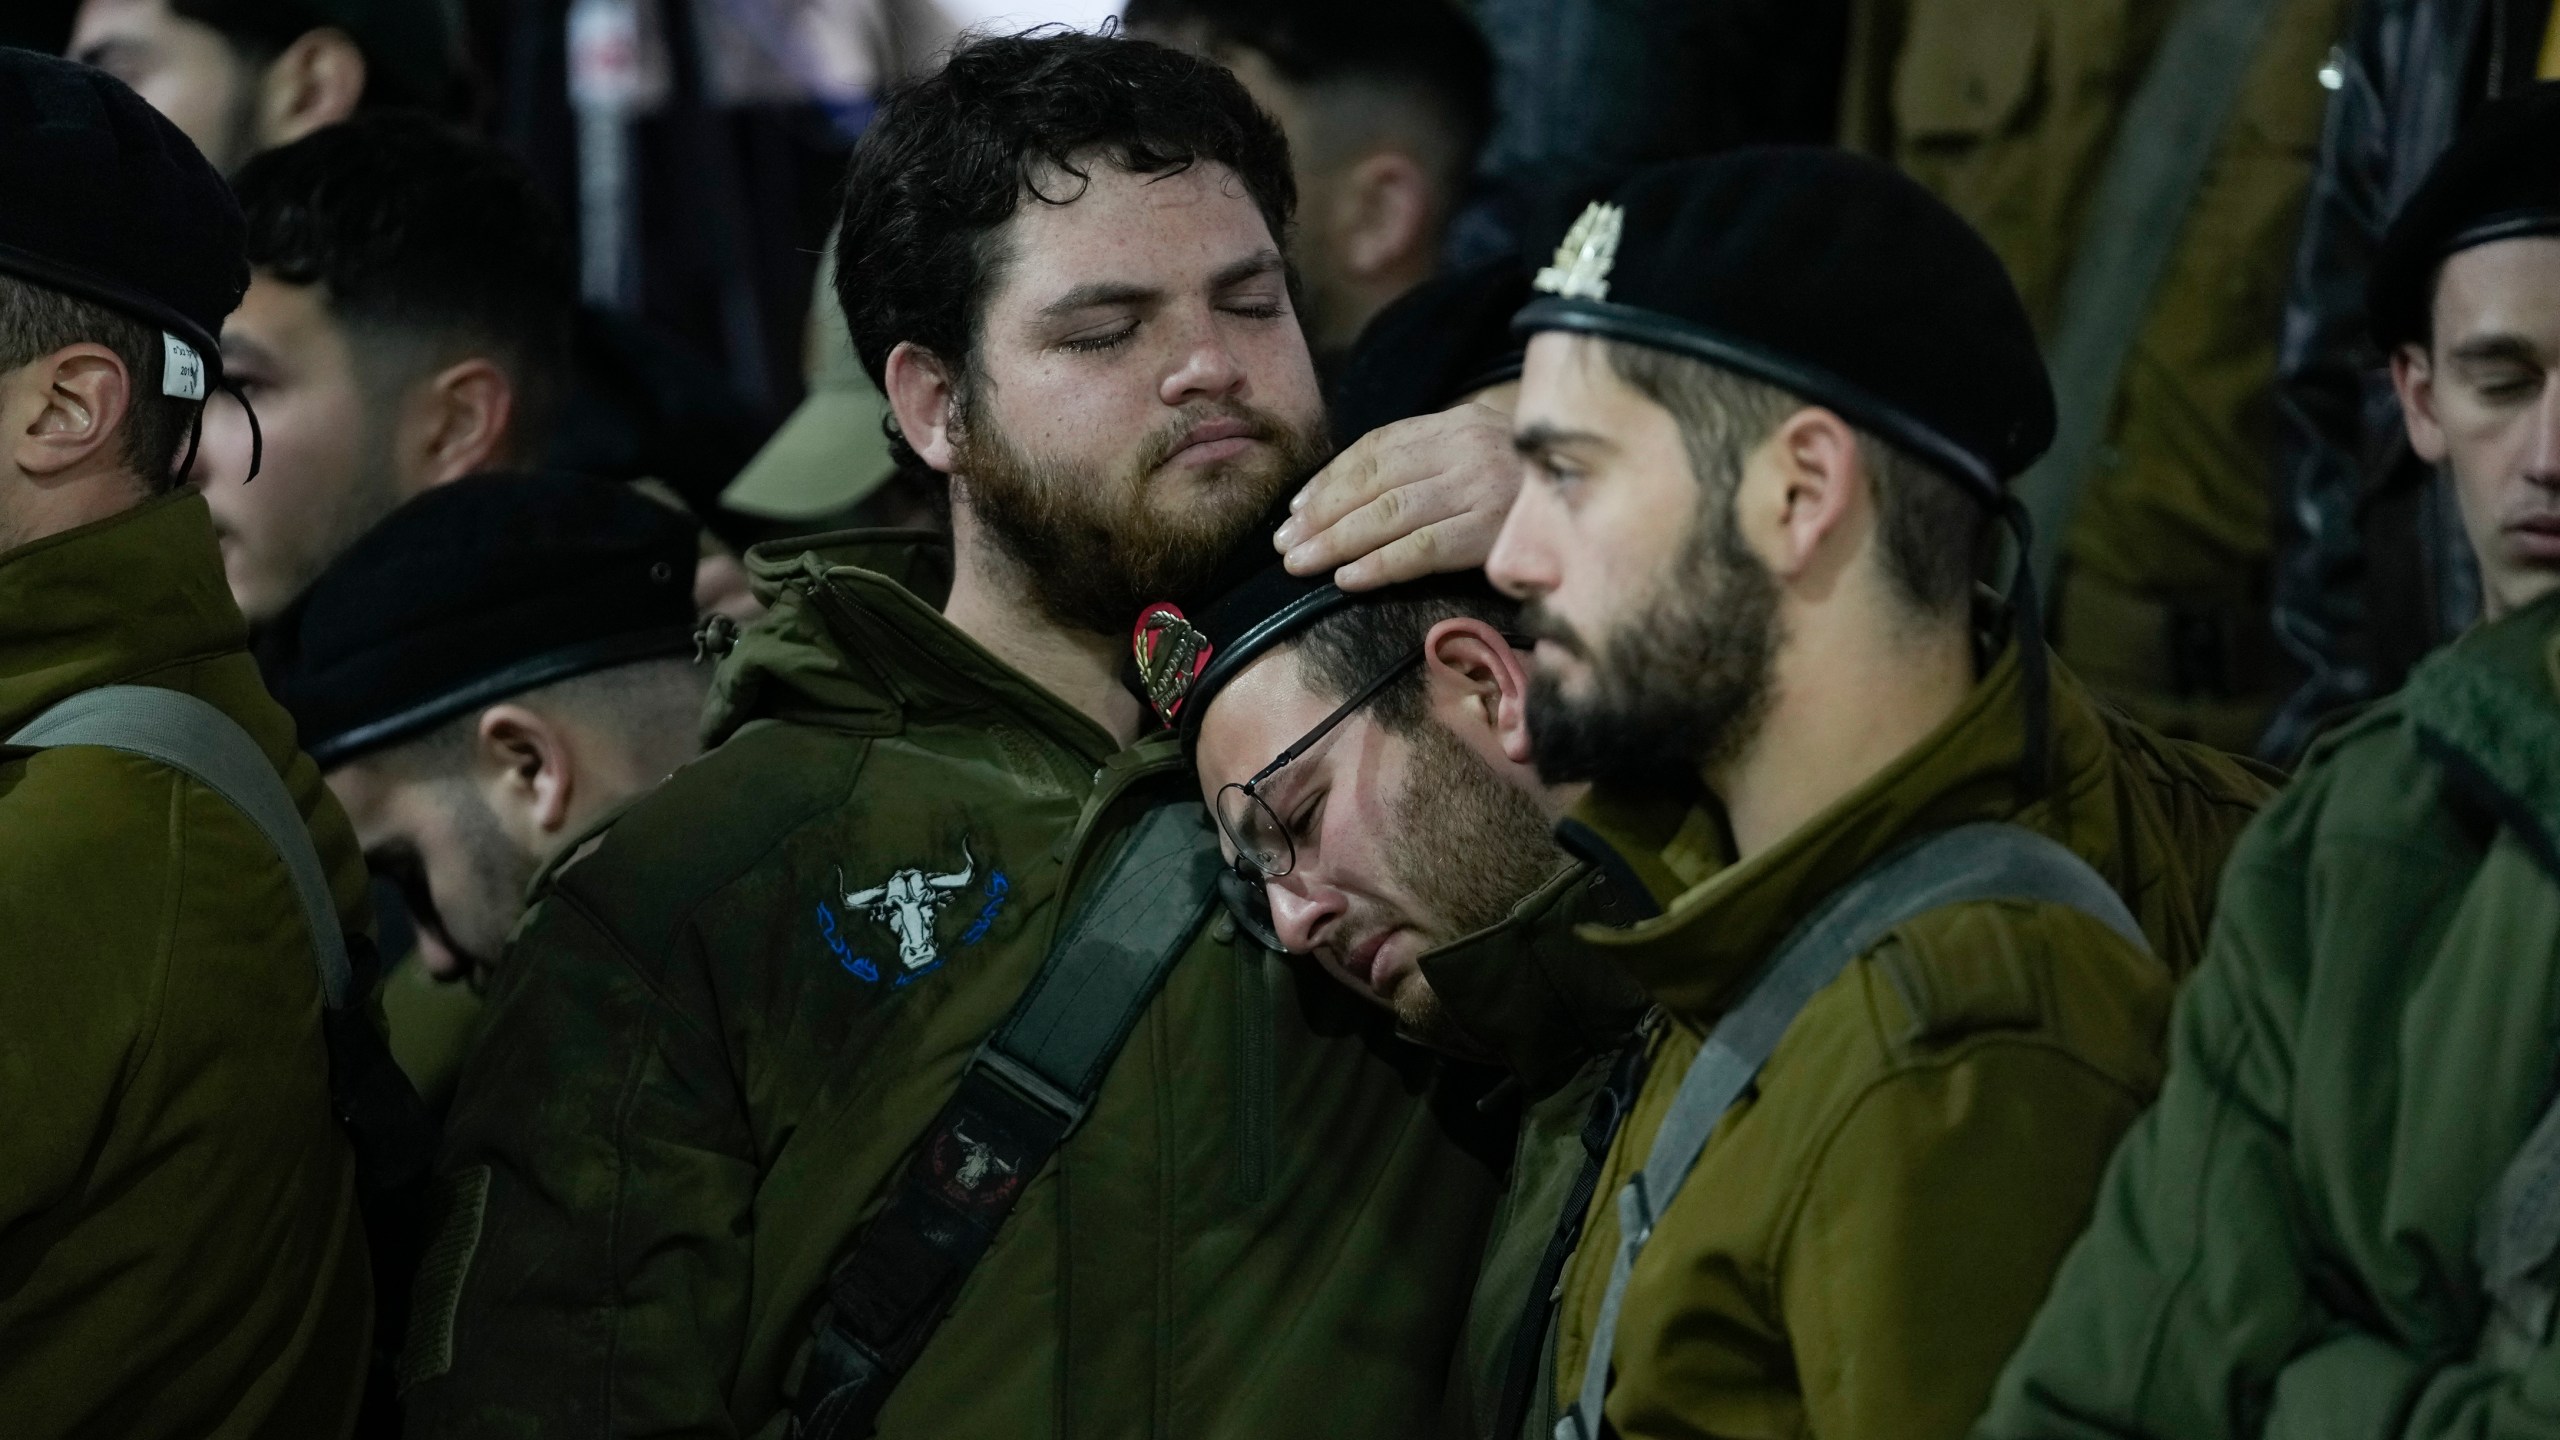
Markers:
<point>1376,462</point>
<point>1392,515</point>
<point>1462,542</point>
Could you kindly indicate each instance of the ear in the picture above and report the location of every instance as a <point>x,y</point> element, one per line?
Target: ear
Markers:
<point>1814,479</point>
<point>1382,216</point>
<point>66,411</point>
<point>317,82</point>
<point>1474,684</point>
<point>528,773</point>
<point>922,398</point>
<point>463,423</point>
<point>2413,379</point>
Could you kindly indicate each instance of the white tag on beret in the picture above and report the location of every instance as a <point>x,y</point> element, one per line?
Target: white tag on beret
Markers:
<point>181,369</point>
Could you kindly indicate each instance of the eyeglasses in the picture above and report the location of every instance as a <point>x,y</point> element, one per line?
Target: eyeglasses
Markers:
<point>1264,849</point>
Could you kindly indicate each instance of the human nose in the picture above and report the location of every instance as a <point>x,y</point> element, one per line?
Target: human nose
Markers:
<point>2543,461</point>
<point>1208,369</point>
<point>1523,564</point>
<point>1301,913</point>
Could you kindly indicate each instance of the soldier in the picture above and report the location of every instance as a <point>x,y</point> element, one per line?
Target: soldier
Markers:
<point>483,677</point>
<point>770,1119</point>
<point>1922,900</point>
<point>2338,1220</point>
<point>178,1216</point>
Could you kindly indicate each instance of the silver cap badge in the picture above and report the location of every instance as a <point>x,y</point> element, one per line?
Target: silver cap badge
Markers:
<point>1582,263</point>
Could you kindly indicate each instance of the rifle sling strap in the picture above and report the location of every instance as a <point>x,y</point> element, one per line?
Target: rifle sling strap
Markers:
<point>1022,1095</point>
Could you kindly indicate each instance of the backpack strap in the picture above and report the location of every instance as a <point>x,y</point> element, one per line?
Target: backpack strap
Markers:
<point>1022,1095</point>
<point>194,738</point>
<point>1965,865</point>
<point>2166,139</point>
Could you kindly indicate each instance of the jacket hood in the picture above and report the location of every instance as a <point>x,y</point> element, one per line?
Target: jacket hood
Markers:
<point>134,593</point>
<point>853,640</point>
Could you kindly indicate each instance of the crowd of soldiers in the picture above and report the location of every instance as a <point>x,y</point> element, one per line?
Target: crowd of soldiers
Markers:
<point>1413,800</point>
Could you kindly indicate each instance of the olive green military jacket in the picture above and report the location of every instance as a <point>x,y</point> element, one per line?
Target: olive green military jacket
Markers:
<point>1559,1017</point>
<point>1869,1229</point>
<point>2286,1245</point>
<point>180,1253</point>
<point>706,1056</point>
<point>2008,110</point>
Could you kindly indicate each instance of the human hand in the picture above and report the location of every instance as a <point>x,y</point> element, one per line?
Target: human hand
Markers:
<point>1424,496</point>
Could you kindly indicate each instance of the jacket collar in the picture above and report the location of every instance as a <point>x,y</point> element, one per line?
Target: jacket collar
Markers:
<point>111,601</point>
<point>1716,931</point>
<point>2490,706</point>
<point>853,639</point>
<point>1535,993</point>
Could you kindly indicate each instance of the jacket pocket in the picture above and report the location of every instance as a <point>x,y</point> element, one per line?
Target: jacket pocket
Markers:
<point>1967,71</point>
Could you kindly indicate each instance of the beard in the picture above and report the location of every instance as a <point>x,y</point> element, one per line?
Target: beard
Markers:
<point>1096,548</point>
<point>1468,850</point>
<point>1681,687</point>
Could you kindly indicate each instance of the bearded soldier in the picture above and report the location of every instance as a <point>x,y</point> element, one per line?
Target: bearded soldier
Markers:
<point>889,1065</point>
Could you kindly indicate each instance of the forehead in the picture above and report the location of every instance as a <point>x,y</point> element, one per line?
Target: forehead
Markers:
<point>2503,287</point>
<point>280,316</point>
<point>1125,229</point>
<point>1567,383</point>
<point>104,19</point>
<point>1255,716</point>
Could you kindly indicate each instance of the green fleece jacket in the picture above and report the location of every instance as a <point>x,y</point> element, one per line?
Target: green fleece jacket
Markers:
<point>179,1249</point>
<point>2283,1245</point>
<point>704,1063</point>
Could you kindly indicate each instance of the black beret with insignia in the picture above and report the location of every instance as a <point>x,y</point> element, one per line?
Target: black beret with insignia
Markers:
<point>103,199</point>
<point>1829,275</point>
<point>2500,181</point>
<point>483,588</point>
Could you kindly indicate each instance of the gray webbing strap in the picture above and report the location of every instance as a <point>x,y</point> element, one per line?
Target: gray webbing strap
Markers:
<point>192,737</point>
<point>2518,1235</point>
<point>1969,863</point>
<point>2165,141</point>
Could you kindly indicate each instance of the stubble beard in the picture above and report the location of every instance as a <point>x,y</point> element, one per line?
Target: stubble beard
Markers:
<point>1682,687</point>
<point>1093,549</point>
<point>1468,849</point>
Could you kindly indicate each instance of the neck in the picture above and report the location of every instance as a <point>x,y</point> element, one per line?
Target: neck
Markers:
<point>34,510</point>
<point>1847,701</point>
<point>992,603</point>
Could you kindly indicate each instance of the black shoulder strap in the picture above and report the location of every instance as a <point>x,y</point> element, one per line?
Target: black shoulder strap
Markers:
<point>1023,1093</point>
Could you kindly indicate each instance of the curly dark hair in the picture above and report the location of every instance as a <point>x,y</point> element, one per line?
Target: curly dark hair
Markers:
<point>416,230</point>
<point>951,156</point>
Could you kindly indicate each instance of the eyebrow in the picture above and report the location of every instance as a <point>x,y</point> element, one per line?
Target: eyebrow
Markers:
<point>1108,292</point>
<point>1539,437</point>
<point>243,348</point>
<point>2514,348</point>
<point>98,52</point>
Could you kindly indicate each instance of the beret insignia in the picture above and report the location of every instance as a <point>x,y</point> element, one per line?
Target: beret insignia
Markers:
<point>1171,654</point>
<point>1582,263</point>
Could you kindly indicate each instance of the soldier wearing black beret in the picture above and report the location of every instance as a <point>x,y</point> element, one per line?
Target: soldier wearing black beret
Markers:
<point>178,1224</point>
<point>1921,899</point>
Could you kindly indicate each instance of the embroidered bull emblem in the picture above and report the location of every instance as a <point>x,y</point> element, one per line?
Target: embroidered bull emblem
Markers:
<point>906,905</point>
<point>978,1161</point>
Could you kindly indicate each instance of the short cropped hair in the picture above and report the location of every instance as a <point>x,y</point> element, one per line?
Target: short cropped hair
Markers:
<point>951,156</point>
<point>1936,537</point>
<point>1352,646</point>
<point>1426,53</point>
<point>35,322</point>
<point>417,232</point>
<point>653,706</point>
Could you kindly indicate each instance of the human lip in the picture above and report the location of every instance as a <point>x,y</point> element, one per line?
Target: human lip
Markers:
<point>1213,440</point>
<point>1361,960</point>
<point>2537,537</point>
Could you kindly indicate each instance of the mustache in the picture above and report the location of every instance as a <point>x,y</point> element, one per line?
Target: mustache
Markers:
<point>1539,623</point>
<point>1171,436</point>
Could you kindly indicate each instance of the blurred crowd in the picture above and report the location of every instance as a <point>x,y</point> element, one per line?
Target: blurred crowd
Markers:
<point>1491,718</point>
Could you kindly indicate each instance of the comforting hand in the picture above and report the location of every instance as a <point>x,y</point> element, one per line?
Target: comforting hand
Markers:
<point>1420,497</point>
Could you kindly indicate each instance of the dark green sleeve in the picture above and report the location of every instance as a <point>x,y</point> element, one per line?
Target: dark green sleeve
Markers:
<point>589,1271</point>
<point>2173,1311</point>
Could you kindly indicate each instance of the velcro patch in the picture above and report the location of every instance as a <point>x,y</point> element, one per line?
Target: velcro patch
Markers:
<point>459,1204</point>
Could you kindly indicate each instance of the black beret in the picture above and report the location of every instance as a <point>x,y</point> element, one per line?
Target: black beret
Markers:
<point>1440,342</point>
<point>1829,275</point>
<point>477,590</point>
<point>102,198</point>
<point>2500,181</point>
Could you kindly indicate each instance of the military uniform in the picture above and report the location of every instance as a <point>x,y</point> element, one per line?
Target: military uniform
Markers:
<point>2007,110</point>
<point>1562,1019</point>
<point>177,1201</point>
<point>721,1032</point>
<point>1864,1237</point>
